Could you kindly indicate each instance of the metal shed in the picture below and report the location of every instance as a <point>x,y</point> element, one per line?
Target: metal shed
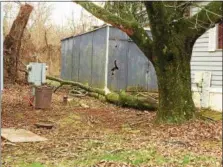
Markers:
<point>88,58</point>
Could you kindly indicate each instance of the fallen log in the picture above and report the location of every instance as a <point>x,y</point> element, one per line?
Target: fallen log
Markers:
<point>121,98</point>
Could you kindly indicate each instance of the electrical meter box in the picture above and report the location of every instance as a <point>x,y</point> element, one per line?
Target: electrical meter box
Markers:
<point>36,73</point>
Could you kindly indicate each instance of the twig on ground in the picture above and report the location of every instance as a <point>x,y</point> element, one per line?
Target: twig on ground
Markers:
<point>61,84</point>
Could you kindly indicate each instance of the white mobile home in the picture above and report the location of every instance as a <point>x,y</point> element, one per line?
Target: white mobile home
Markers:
<point>206,67</point>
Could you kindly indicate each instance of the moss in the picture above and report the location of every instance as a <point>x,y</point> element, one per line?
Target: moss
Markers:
<point>175,96</point>
<point>136,89</point>
<point>125,100</point>
<point>210,114</point>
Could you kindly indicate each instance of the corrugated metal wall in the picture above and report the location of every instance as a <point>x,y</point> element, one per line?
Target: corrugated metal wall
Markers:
<point>98,58</point>
<point>76,58</point>
<point>86,47</point>
<point>134,68</point>
<point>66,52</point>
<point>84,56</point>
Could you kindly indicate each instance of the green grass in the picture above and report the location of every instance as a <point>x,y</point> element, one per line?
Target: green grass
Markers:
<point>52,83</point>
<point>97,151</point>
<point>135,157</point>
<point>70,120</point>
<point>210,114</point>
<point>36,164</point>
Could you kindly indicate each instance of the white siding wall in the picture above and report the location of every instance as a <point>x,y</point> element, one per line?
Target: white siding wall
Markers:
<point>205,60</point>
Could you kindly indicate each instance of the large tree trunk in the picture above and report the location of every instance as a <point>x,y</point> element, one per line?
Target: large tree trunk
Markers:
<point>174,83</point>
<point>12,43</point>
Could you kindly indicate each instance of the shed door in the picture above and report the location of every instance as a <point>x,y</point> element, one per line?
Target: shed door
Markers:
<point>118,50</point>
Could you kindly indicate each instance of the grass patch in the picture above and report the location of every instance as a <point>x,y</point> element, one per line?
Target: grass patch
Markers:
<point>134,157</point>
<point>35,164</point>
<point>210,114</point>
<point>52,83</point>
<point>71,120</point>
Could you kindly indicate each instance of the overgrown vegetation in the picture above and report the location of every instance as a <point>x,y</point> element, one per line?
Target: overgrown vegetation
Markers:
<point>42,35</point>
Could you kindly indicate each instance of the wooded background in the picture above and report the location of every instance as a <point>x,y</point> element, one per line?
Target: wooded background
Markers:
<point>41,38</point>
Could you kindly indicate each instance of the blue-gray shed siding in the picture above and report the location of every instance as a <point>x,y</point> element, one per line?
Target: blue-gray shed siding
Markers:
<point>63,62</point>
<point>84,60</point>
<point>76,58</point>
<point>98,58</point>
<point>137,62</point>
<point>134,68</point>
<point>86,47</point>
<point>118,51</point>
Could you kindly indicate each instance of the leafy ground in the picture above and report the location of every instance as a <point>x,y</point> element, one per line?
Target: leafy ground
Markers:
<point>104,135</point>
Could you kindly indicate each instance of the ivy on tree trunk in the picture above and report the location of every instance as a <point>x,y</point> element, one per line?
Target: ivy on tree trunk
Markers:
<point>173,36</point>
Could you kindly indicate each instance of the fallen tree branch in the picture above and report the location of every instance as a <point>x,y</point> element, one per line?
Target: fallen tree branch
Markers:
<point>121,99</point>
<point>57,88</point>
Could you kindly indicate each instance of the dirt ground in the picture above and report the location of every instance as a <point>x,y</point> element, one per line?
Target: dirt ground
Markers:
<point>104,135</point>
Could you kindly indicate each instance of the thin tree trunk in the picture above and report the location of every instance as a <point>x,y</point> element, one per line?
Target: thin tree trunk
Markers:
<point>12,43</point>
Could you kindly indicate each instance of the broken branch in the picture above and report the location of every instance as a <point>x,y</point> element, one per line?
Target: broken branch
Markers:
<point>121,98</point>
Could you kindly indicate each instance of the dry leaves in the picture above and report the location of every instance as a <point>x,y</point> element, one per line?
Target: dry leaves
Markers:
<point>86,135</point>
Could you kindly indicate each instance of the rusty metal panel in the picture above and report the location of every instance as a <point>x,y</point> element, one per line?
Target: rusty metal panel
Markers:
<point>85,58</point>
<point>98,58</point>
<point>117,51</point>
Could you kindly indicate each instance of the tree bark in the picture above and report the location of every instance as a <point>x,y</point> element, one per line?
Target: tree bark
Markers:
<point>174,84</point>
<point>12,43</point>
<point>170,49</point>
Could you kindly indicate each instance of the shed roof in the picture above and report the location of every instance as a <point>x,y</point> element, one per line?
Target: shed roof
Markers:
<point>104,25</point>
